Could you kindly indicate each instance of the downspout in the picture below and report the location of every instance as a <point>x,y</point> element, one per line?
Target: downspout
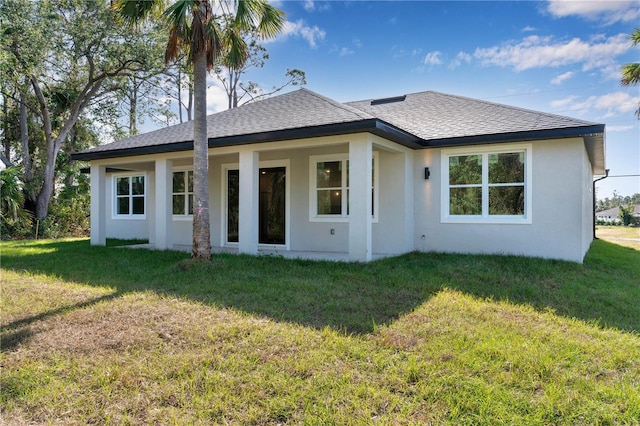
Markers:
<point>606,175</point>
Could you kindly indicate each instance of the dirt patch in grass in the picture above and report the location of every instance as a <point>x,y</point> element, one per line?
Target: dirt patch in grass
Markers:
<point>627,236</point>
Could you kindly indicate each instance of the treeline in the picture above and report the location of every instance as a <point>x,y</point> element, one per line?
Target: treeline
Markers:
<point>617,200</point>
<point>73,76</point>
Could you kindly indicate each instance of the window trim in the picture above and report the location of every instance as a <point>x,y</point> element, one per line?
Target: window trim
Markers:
<point>130,216</point>
<point>186,216</point>
<point>313,189</point>
<point>485,151</point>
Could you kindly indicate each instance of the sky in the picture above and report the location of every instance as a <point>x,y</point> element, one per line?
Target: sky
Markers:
<point>560,57</point>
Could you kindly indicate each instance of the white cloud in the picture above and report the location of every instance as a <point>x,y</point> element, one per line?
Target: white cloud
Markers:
<point>612,103</point>
<point>460,58</point>
<point>528,29</point>
<point>217,99</point>
<point>309,5</point>
<point>559,79</point>
<point>300,29</point>
<point>563,103</point>
<point>346,51</point>
<point>538,52</point>
<point>433,58</point>
<point>606,12</point>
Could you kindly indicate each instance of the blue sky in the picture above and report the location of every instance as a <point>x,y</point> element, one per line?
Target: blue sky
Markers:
<point>560,57</point>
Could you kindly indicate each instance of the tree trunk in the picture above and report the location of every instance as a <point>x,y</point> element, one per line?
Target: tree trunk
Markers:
<point>133,109</point>
<point>24,138</point>
<point>201,230</point>
<point>180,94</point>
<point>190,104</point>
<point>6,142</point>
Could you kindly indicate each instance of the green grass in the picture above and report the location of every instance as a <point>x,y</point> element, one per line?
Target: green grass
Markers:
<point>119,336</point>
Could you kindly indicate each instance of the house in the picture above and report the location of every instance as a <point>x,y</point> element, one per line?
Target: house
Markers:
<point>302,173</point>
<point>611,215</point>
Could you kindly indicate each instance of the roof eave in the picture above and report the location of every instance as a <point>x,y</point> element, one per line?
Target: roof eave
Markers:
<point>593,136</point>
<point>367,125</point>
<point>514,136</point>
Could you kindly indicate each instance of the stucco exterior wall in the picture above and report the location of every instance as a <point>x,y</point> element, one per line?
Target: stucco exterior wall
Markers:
<point>558,215</point>
<point>409,207</point>
<point>305,234</point>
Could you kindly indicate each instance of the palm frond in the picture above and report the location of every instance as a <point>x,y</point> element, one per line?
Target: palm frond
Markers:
<point>216,43</point>
<point>630,74</point>
<point>272,21</point>
<point>132,12</point>
<point>237,50</point>
<point>177,17</point>
<point>635,37</point>
<point>259,16</point>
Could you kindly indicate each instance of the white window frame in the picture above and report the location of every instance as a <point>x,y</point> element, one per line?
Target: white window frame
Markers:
<point>130,215</point>
<point>485,217</point>
<point>184,216</point>
<point>313,188</point>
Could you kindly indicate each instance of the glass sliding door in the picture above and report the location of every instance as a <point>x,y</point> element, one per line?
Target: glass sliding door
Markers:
<point>272,219</point>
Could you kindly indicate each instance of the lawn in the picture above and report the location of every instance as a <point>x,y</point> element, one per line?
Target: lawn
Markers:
<point>627,236</point>
<point>104,335</point>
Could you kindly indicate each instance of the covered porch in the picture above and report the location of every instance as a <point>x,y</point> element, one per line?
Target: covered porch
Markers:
<point>372,217</point>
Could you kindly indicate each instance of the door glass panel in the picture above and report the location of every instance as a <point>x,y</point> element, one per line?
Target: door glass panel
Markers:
<point>272,200</point>
<point>233,204</point>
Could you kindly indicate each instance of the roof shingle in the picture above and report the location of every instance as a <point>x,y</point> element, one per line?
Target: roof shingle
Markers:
<point>419,119</point>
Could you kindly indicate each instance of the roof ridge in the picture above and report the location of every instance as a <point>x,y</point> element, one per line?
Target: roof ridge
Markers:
<point>360,113</point>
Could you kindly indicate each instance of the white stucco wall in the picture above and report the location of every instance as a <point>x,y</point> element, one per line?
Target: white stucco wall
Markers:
<point>389,231</point>
<point>557,229</point>
<point>409,216</point>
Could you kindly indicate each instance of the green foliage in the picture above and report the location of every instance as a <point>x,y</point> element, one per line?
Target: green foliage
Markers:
<point>15,222</point>
<point>617,200</point>
<point>626,214</point>
<point>631,71</point>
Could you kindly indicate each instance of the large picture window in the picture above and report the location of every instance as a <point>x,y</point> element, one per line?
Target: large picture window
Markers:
<point>130,197</point>
<point>487,186</point>
<point>329,187</point>
<point>182,191</point>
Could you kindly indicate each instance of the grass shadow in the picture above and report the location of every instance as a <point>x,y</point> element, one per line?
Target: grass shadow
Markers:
<point>346,296</point>
<point>17,332</point>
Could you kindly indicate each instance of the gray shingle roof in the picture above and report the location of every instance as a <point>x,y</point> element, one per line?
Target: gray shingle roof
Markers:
<point>294,110</point>
<point>419,119</point>
<point>437,116</point>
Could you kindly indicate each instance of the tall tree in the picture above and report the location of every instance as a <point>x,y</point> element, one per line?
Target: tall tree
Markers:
<point>631,72</point>
<point>70,54</point>
<point>230,75</point>
<point>206,36</point>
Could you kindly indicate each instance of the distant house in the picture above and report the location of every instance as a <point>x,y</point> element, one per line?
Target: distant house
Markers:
<point>611,215</point>
<point>301,173</point>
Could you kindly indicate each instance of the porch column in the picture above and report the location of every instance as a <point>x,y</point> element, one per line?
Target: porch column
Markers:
<point>248,202</point>
<point>163,204</point>
<point>98,205</point>
<point>360,164</point>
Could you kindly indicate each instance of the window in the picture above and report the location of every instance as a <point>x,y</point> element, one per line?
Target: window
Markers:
<point>487,186</point>
<point>130,196</point>
<point>182,193</point>
<point>329,192</point>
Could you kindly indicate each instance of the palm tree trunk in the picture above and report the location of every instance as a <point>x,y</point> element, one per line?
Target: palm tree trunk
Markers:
<point>201,230</point>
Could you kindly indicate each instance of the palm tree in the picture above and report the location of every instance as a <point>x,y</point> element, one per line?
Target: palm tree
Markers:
<point>194,28</point>
<point>631,72</point>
